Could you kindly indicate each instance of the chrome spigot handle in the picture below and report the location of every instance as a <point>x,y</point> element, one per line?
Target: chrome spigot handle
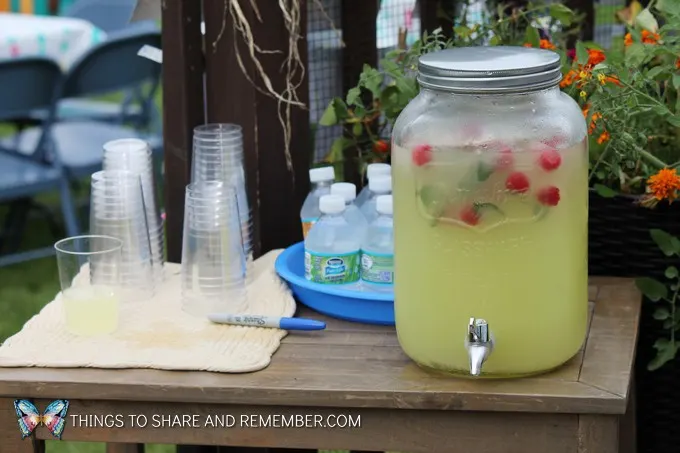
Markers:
<point>478,331</point>
<point>479,344</point>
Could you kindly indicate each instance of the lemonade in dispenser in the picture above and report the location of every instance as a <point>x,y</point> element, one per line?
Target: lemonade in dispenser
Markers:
<point>490,193</point>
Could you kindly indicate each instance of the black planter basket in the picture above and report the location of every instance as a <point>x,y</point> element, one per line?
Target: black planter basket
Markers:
<point>619,245</point>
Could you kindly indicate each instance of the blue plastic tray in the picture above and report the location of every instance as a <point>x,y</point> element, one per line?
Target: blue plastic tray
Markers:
<point>357,306</point>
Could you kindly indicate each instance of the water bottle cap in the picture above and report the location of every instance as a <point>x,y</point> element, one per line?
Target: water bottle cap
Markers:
<point>331,204</point>
<point>383,204</point>
<point>380,184</point>
<point>377,170</point>
<point>322,174</point>
<point>346,190</point>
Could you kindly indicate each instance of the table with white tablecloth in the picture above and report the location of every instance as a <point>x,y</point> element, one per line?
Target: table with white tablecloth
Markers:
<point>63,39</point>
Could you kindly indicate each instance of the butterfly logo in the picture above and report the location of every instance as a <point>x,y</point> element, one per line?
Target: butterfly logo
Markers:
<point>29,418</point>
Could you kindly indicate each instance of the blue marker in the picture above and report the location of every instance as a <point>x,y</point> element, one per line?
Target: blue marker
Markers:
<point>274,322</point>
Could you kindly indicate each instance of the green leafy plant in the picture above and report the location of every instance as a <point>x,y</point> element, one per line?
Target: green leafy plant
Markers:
<point>668,292</point>
<point>630,96</point>
<point>369,110</point>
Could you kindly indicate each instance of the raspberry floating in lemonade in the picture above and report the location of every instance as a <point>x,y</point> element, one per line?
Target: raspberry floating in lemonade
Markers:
<point>517,182</point>
<point>470,215</point>
<point>548,196</point>
<point>549,159</point>
<point>421,155</point>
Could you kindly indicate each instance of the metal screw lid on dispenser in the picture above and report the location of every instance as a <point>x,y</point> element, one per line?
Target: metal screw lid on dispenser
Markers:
<point>489,69</point>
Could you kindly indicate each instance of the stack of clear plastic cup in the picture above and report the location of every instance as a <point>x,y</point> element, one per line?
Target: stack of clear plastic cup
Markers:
<point>213,277</point>
<point>135,155</point>
<point>218,156</point>
<point>117,209</point>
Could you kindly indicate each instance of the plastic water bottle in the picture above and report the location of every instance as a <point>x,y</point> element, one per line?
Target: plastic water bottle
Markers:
<point>321,179</point>
<point>378,185</point>
<point>332,247</point>
<point>353,215</point>
<point>377,250</point>
<point>371,171</point>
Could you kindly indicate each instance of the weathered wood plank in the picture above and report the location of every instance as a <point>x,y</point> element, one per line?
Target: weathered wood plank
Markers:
<point>275,193</point>
<point>182,108</point>
<point>610,351</point>
<point>10,436</point>
<point>330,383</point>
<point>379,430</point>
<point>598,434</point>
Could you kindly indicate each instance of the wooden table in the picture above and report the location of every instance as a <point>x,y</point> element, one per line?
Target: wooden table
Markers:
<point>360,371</point>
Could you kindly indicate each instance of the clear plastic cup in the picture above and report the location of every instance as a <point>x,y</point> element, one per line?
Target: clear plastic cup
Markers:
<point>218,156</point>
<point>118,210</point>
<point>213,261</point>
<point>217,132</point>
<point>89,274</point>
<point>135,155</point>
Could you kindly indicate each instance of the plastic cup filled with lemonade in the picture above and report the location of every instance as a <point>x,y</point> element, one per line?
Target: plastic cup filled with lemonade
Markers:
<point>490,190</point>
<point>89,273</point>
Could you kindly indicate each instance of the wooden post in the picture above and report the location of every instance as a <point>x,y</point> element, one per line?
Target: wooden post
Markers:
<point>275,193</point>
<point>360,36</point>
<point>430,19</point>
<point>182,108</point>
<point>586,7</point>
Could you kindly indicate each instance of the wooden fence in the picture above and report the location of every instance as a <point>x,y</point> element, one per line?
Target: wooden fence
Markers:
<point>275,193</point>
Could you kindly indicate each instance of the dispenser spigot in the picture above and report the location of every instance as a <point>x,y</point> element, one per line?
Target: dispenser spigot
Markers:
<point>479,344</point>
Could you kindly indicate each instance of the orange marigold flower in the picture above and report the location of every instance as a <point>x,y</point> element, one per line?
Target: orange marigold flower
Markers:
<point>649,38</point>
<point>527,44</point>
<point>546,44</point>
<point>677,63</point>
<point>595,57</point>
<point>604,136</point>
<point>569,78</point>
<point>593,120</point>
<point>665,184</point>
<point>627,40</point>
<point>585,110</point>
<point>613,79</point>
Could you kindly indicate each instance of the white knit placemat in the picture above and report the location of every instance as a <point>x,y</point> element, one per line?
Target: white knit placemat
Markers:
<point>158,334</point>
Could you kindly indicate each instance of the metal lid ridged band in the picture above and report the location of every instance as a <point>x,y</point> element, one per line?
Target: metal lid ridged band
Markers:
<point>498,69</point>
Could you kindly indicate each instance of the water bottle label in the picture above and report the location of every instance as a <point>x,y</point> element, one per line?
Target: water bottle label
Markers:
<point>377,268</point>
<point>335,269</point>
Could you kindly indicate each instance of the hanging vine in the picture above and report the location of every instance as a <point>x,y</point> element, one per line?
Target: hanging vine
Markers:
<point>293,67</point>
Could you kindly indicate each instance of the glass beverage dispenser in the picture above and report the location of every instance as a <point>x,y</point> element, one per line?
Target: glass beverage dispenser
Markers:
<point>490,186</point>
